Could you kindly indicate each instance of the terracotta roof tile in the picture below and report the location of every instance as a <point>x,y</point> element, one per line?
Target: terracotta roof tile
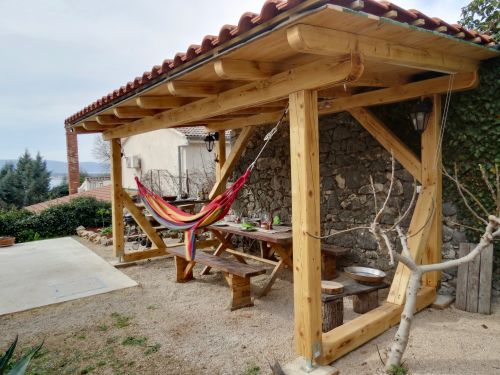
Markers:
<point>271,9</point>
<point>102,193</point>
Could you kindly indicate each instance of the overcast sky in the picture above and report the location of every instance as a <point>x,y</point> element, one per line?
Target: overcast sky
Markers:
<point>58,56</point>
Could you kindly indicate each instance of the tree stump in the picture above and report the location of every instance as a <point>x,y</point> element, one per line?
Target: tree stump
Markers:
<point>333,314</point>
<point>362,303</point>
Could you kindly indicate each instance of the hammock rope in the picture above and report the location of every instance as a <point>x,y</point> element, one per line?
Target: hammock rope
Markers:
<point>174,218</point>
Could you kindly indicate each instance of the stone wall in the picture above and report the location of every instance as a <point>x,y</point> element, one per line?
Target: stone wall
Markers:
<point>348,156</point>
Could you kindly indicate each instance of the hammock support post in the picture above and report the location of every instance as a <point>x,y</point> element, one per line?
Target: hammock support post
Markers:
<point>117,198</point>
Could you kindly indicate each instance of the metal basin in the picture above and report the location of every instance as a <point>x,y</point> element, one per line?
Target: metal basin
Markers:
<point>365,275</point>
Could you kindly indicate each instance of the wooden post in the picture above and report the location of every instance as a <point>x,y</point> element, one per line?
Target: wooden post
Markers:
<point>432,175</point>
<point>304,153</point>
<point>221,160</point>
<point>117,196</point>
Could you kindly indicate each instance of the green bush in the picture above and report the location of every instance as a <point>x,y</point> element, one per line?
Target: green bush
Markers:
<point>56,221</point>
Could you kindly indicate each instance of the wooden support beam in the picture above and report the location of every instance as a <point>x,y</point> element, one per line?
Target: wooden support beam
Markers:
<point>304,154</point>
<point>243,70</point>
<point>133,112</point>
<point>462,81</point>
<point>432,176</point>
<point>260,119</point>
<point>143,222</point>
<point>161,102</point>
<point>389,141</point>
<point>317,74</point>
<point>328,42</point>
<point>95,126</point>
<point>111,120</point>
<point>145,254</point>
<point>221,160</point>
<point>228,167</point>
<point>380,80</point>
<point>117,198</point>
<point>418,235</point>
<point>194,89</point>
<point>351,335</point>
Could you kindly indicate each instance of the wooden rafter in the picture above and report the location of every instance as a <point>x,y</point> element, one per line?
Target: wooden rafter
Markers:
<point>228,167</point>
<point>111,120</point>
<point>318,40</point>
<point>132,112</point>
<point>389,141</point>
<point>161,102</point>
<point>311,76</point>
<point>195,89</point>
<point>244,70</point>
<point>95,126</point>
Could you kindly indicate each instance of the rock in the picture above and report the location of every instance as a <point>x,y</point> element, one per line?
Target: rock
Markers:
<point>458,238</point>
<point>341,132</point>
<point>367,189</point>
<point>340,181</point>
<point>448,251</point>
<point>447,233</point>
<point>449,209</point>
<point>354,179</point>
<point>328,183</point>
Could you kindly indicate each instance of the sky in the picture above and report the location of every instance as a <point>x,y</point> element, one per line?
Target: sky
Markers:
<point>59,56</point>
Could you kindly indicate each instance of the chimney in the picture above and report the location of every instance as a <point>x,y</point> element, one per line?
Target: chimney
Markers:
<point>73,166</point>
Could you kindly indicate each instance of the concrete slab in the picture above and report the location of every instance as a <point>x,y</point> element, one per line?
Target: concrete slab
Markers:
<point>298,367</point>
<point>45,272</point>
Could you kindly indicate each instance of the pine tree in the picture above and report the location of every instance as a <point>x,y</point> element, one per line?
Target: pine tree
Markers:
<point>10,187</point>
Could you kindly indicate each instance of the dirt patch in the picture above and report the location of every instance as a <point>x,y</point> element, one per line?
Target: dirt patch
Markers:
<point>161,327</point>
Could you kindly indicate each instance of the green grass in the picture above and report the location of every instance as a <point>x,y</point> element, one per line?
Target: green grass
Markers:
<point>121,321</point>
<point>135,341</point>
<point>252,369</point>
<point>87,370</point>
<point>397,370</point>
<point>103,328</point>
<point>152,349</point>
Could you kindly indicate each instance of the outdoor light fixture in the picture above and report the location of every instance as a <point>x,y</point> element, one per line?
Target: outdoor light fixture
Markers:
<point>210,141</point>
<point>420,114</point>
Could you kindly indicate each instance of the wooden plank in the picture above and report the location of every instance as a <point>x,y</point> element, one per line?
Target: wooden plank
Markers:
<point>485,278</point>
<point>473,283</point>
<point>228,167</point>
<point>161,102</point>
<point>327,42</point>
<point>194,89</point>
<point>244,70</point>
<point>250,256</point>
<point>351,335</point>
<point>94,126</point>
<point>432,175</point>
<point>117,198</point>
<point>304,154</point>
<point>133,112</point>
<point>462,81</point>
<point>311,76</point>
<point>418,234</point>
<point>145,254</point>
<point>259,119</point>
<point>220,263</point>
<point>143,222</point>
<point>462,277</point>
<point>389,141</point>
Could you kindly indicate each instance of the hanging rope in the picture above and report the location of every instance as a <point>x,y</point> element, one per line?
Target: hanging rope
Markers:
<point>444,120</point>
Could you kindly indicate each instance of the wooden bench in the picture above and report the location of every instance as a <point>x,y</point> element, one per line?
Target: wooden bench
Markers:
<point>365,298</point>
<point>329,254</point>
<point>237,274</point>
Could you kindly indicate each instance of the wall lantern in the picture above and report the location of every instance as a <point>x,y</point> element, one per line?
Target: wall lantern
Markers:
<point>210,141</point>
<point>420,114</point>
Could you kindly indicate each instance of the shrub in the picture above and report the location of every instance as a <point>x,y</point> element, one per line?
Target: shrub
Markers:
<point>56,221</point>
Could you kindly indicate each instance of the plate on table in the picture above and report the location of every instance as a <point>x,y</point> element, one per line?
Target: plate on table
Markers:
<point>249,229</point>
<point>220,224</point>
<point>365,275</point>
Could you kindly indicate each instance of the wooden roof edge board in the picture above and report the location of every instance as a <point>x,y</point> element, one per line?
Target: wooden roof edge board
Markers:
<point>321,73</point>
<point>315,40</point>
<point>461,82</point>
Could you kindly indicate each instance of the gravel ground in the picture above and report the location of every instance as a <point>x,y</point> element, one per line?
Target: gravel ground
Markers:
<point>162,327</point>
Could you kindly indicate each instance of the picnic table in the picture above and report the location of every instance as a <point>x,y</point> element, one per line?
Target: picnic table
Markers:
<point>277,240</point>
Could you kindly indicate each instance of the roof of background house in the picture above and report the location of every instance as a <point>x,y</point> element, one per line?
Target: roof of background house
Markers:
<point>270,10</point>
<point>196,132</point>
<point>102,194</point>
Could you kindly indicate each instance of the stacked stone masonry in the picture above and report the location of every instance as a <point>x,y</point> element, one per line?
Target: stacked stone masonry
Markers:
<point>348,156</point>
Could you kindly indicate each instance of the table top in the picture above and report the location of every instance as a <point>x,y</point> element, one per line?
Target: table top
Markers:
<point>351,288</point>
<point>280,238</point>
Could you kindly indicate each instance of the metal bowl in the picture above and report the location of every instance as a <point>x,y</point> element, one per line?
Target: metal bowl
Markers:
<point>365,275</point>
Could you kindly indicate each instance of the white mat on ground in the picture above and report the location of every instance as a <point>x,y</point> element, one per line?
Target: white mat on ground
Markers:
<point>45,272</point>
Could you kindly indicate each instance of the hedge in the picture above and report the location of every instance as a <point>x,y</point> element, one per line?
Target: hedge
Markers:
<point>56,221</point>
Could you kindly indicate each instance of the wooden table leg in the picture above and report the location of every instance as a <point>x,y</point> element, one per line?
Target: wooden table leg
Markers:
<point>272,279</point>
<point>328,266</point>
<point>184,270</point>
<point>241,294</point>
<point>362,303</point>
<point>224,244</point>
<point>333,314</point>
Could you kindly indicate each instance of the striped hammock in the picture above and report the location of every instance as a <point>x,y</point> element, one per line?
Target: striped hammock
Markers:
<point>175,219</point>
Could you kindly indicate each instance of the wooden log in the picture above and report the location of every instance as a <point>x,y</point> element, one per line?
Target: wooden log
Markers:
<point>241,293</point>
<point>362,303</point>
<point>485,279</point>
<point>333,314</point>
<point>328,266</point>
<point>331,287</point>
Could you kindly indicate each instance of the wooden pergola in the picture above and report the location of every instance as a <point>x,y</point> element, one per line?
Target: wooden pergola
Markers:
<point>321,59</point>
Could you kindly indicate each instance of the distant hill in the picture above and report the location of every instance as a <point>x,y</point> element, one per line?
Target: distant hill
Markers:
<point>61,167</point>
